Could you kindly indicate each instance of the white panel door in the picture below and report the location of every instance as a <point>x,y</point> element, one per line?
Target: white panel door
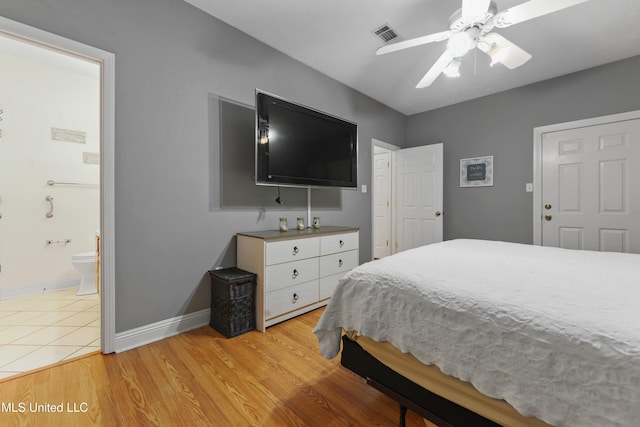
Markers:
<point>419,196</point>
<point>381,204</point>
<point>589,201</point>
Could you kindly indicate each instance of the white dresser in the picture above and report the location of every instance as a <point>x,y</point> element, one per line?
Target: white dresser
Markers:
<point>297,271</point>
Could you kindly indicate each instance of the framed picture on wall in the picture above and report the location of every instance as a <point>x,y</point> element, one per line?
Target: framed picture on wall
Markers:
<point>476,172</point>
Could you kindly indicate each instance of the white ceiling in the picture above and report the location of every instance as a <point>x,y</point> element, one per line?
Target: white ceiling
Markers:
<point>336,38</point>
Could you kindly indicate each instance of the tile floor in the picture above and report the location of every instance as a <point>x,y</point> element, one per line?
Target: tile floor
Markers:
<point>40,330</point>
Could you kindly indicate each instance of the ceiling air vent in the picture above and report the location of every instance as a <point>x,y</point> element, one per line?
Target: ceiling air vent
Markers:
<point>385,33</point>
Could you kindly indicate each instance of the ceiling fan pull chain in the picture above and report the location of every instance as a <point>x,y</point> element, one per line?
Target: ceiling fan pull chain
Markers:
<point>475,62</point>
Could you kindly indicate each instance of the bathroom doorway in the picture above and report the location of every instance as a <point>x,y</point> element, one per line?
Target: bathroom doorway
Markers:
<point>54,199</point>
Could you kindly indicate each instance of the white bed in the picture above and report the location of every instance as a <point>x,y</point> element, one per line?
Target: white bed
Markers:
<point>554,332</point>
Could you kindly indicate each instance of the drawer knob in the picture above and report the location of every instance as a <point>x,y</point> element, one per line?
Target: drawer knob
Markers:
<point>295,273</point>
<point>341,243</point>
<point>340,263</point>
<point>295,250</point>
<point>294,299</point>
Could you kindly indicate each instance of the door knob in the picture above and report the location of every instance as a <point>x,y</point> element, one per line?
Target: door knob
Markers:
<point>438,213</point>
<point>547,206</point>
<point>547,217</point>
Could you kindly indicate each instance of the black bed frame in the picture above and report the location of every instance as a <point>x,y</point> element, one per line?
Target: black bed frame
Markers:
<point>408,394</point>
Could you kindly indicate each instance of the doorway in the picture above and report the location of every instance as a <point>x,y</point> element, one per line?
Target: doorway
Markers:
<point>49,185</point>
<point>105,63</point>
<point>407,201</point>
<point>585,198</point>
<point>419,184</point>
<point>382,191</point>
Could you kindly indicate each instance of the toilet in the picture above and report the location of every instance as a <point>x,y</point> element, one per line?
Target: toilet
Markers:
<point>85,264</point>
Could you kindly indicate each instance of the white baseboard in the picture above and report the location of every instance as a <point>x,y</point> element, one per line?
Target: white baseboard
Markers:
<point>160,330</point>
<point>38,288</point>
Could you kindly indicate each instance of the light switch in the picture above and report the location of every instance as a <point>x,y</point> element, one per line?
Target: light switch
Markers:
<point>364,188</point>
<point>529,187</point>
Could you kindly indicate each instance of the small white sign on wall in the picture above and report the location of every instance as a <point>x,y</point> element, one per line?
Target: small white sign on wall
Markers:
<point>68,135</point>
<point>90,158</point>
<point>476,172</point>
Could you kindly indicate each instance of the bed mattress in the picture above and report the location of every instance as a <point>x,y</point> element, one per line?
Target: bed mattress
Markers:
<point>553,332</point>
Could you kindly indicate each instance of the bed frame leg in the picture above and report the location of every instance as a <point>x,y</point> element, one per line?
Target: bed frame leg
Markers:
<point>403,415</point>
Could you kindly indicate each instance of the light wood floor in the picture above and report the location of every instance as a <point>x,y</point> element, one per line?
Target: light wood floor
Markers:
<point>202,378</point>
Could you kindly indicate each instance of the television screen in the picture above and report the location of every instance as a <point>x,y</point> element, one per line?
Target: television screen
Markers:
<point>300,146</point>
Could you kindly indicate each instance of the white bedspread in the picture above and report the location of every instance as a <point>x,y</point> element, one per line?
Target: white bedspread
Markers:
<point>554,332</point>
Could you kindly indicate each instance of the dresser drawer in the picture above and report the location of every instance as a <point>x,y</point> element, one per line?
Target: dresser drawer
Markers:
<point>329,284</point>
<point>291,250</point>
<point>289,299</point>
<point>290,273</point>
<point>338,243</point>
<point>338,263</point>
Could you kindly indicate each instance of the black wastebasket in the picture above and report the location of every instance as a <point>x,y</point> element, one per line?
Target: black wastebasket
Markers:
<point>233,301</point>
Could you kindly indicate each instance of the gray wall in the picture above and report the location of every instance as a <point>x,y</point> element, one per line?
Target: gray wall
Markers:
<point>169,57</point>
<point>502,126</point>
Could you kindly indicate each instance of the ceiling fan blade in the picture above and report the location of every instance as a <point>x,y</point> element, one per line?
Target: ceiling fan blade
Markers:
<point>511,56</point>
<point>435,70</point>
<point>436,37</point>
<point>530,10</point>
<point>472,9</point>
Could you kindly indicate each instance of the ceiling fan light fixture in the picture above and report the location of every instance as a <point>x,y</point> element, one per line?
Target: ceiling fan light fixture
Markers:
<point>453,69</point>
<point>497,54</point>
<point>460,43</point>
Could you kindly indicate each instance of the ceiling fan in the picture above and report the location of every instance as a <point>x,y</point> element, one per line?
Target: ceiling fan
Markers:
<point>471,26</point>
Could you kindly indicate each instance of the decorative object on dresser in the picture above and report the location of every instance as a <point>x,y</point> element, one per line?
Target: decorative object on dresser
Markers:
<point>296,271</point>
<point>233,299</point>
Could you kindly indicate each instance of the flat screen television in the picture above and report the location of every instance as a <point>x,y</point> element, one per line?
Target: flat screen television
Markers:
<point>300,146</point>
